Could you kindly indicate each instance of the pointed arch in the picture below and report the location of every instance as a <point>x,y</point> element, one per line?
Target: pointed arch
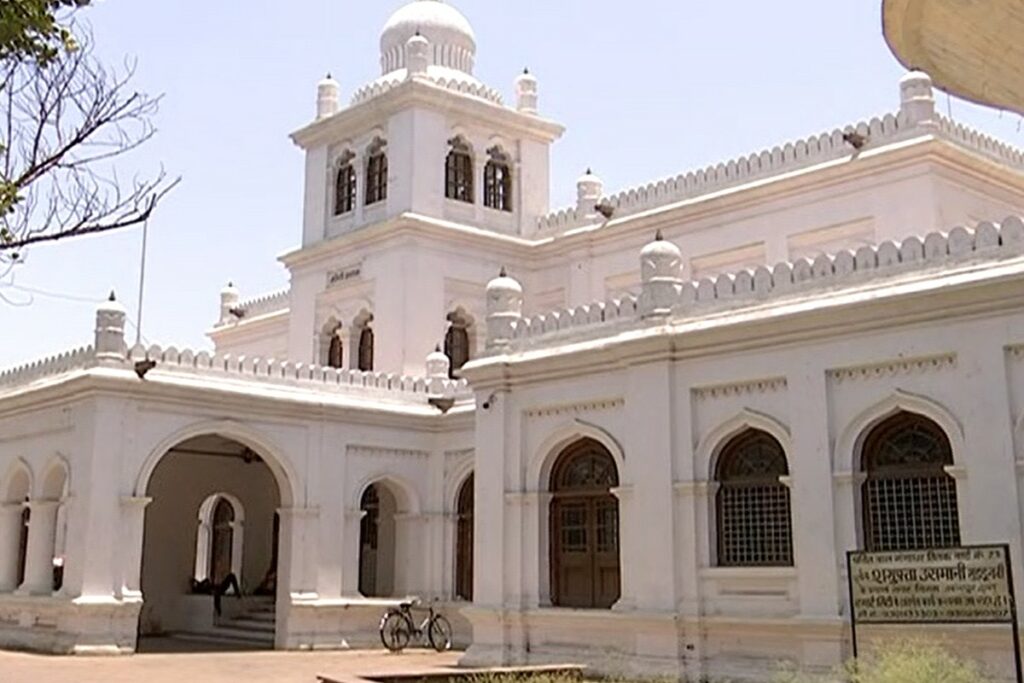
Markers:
<point>849,445</point>
<point>17,482</point>
<point>56,479</point>
<point>543,460</point>
<point>714,441</point>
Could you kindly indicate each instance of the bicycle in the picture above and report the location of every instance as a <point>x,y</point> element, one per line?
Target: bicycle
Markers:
<point>397,627</point>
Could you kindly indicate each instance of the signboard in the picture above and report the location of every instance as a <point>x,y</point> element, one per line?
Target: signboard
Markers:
<point>964,585</point>
<point>947,585</point>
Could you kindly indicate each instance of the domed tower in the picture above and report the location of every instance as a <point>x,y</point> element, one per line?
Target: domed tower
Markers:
<point>427,138</point>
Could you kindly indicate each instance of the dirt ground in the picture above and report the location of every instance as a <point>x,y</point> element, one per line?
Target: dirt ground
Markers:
<point>168,661</point>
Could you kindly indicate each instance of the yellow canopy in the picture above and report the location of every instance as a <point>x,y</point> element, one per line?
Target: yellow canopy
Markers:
<point>971,48</point>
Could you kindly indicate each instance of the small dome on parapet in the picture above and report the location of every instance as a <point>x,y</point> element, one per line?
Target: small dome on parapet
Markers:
<point>504,283</point>
<point>110,305</point>
<point>437,364</point>
<point>660,258</point>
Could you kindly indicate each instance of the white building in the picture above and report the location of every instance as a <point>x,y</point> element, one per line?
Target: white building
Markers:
<point>671,442</point>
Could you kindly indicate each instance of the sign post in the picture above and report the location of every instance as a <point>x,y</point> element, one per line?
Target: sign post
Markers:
<point>962,585</point>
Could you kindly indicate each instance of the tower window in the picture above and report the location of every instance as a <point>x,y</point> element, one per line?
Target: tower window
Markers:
<point>377,173</point>
<point>458,172</point>
<point>456,342</point>
<point>498,181</point>
<point>345,187</point>
<point>366,348</point>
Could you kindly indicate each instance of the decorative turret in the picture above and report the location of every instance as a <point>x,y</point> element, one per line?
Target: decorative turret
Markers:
<point>589,189</point>
<point>328,97</point>
<point>417,55</point>
<point>438,364</point>
<point>229,297</point>
<point>526,93</point>
<point>504,309</point>
<point>661,276</point>
<point>109,342</point>
<point>917,99</point>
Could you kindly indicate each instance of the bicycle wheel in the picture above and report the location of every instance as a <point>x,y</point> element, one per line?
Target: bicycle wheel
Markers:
<point>394,631</point>
<point>439,632</point>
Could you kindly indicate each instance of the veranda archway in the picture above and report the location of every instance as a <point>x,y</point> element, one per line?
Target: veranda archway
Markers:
<point>182,482</point>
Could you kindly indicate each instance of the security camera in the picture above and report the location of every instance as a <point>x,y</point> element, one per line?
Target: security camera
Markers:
<point>488,402</point>
<point>144,366</point>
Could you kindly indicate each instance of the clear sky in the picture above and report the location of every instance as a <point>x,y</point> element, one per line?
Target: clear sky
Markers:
<point>646,88</point>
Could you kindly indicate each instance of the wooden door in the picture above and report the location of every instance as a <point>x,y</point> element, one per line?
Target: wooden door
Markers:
<point>584,528</point>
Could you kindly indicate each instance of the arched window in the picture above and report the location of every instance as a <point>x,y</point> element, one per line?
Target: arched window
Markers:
<point>464,541</point>
<point>221,541</point>
<point>498,181</point>
<point>376,173</point>
<point>456,342</point>
<point>752,505</point>
<point>584,527</point>
<point>334,352</point>
<point>909,501</point>
<point>366,348</point>
<point>458,171</point>
<point>345,187</point>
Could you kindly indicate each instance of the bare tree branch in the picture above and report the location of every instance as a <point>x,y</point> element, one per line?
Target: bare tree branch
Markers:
<point>65,124</point>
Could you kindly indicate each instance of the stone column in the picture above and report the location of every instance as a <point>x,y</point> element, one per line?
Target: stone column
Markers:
<point>129,550</point>
<point>10,535</point>
<point>42,534</point>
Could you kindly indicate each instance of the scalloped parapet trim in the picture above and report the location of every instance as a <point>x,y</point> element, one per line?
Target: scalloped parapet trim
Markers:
<point>54,365</point>
<point>256,370</point>
<point>746,287</point>
<point>268,370</point>
<point>266,303</point>
<point>792,156</point>
<point>383,85</point>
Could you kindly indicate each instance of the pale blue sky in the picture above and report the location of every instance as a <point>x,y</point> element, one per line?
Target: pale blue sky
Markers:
<point>646,88</point>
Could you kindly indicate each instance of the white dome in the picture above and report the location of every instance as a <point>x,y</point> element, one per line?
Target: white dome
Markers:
<point>451,37</point>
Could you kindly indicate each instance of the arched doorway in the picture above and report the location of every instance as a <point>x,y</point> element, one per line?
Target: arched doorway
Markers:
<point>584,527</point>
<point>377,541</point>
<point>194,561</point>
<point>464,541</point>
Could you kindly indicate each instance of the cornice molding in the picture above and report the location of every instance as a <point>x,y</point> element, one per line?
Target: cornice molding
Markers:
<point>757,386</point>
<point>575,408</point>
<point>901,366</point>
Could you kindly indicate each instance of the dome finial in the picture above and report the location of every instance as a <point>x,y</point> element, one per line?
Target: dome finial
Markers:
<point>503,272</point>
<point>658,237</point>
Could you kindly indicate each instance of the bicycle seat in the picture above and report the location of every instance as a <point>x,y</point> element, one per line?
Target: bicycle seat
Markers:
<point>412,602</point>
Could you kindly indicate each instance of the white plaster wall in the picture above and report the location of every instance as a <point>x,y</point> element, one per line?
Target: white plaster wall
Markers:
<point>668,417</point>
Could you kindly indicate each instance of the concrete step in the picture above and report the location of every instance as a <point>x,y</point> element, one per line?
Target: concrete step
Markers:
<point>228,637</point>
<point>244,623</point>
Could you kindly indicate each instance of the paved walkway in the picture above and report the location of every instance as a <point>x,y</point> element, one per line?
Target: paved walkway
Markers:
<point>217,667</point>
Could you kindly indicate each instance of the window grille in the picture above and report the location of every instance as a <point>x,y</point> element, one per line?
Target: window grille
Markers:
<point>376,178</point>
<point>458,172</point>
<point>345,190</point>
<point>753,506</point>
<point>909,501</point>
<point>498,182</point>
